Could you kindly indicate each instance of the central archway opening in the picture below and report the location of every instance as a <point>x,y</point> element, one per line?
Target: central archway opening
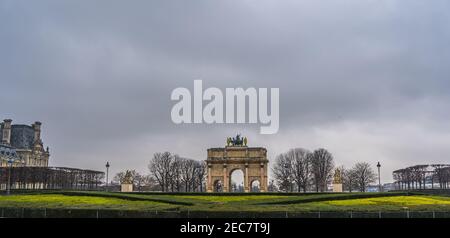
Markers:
<point>255,186</point>
<point>237,181</point>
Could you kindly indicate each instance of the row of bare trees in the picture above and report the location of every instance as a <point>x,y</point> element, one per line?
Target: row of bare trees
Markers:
<point>301,170</point>
<point>140,181</point>
<point>169,173</point>
<point>419,176</point>
<point>50,178</point>
<point>358,178</point>
<point>176,174</point>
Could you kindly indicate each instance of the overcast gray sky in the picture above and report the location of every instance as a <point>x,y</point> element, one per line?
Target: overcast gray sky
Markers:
<point>366,79</point>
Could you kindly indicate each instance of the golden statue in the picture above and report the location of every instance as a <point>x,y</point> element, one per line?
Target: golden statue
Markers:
<point>128,177</point>
<point>337,176</point>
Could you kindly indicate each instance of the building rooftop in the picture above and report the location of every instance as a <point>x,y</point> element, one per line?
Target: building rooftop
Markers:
<point>7,152</point>
<point>22,136</point>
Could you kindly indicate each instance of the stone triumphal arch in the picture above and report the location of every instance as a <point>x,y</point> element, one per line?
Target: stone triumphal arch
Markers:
<point>236,155</point>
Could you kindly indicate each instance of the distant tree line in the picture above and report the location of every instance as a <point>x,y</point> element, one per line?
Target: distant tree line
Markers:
<point>50,178</point>
<point>358,178</point>
<point>436,176</point>
<point>169,173</point>
<point>176,174</point>
<point>140,182</point>
<point>300,170</point>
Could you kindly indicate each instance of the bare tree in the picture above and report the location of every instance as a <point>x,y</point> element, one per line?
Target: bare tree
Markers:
<point>161,169</point>
<point>301,167</point>
<point>151,183</point>
<point>51,178</point>
<point>199,176</point>
<point>442,173</point>
<point>348,179</point>
<point>175,174</point>
<point>282,171</point>
<point>364,175</point>
<point>140,180</point>
<point>118,178</point>
<point>187,168</point>
<point>137,179</point>
<point>418,176</point>
<point>321,166</point>
<point>272,187</point>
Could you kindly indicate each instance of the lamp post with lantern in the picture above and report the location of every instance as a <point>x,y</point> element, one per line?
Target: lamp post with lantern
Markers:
<point>107,175</point>
<point>379,178</point>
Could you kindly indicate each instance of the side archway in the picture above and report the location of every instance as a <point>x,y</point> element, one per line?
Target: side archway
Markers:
<point>218,186</point>
<point>255,186</point>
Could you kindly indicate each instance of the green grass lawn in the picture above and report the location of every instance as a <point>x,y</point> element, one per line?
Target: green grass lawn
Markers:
<point>79,202</point>
<point>415,203</point>
<point>254,203</point>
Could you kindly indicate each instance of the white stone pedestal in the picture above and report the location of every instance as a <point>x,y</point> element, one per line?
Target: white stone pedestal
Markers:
<point>126,187</point>
<point>337,187</point>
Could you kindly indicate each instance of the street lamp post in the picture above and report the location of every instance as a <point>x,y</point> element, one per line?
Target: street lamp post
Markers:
<point>107,174</point>
<point>379,178</point>
<point>8,187</point>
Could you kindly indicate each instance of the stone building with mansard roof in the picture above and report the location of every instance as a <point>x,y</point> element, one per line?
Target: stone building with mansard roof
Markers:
<point>22,144</point>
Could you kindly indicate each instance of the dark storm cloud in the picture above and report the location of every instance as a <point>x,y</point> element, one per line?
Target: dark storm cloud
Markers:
<point>366,79</point>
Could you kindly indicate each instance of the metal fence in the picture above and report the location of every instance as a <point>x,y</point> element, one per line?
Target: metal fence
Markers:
<point>98,214</point>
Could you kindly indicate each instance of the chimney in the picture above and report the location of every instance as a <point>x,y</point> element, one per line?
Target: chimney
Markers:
<point>37,131</point>
<point>6,133</point>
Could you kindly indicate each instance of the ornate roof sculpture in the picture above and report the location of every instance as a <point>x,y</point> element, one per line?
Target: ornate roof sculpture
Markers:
<point>337,176</point>
<point>7,152</point>
<point>237,141</point>
<point>128,178</point>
